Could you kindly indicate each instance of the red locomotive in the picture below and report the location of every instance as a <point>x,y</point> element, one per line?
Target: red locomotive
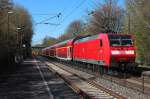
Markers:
<point>107,50</point>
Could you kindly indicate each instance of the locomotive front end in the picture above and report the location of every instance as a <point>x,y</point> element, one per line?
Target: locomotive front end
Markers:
<point>122,51</point>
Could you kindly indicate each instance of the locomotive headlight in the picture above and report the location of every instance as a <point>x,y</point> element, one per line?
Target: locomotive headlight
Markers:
<point>115,52</point>
<point>129,52</point>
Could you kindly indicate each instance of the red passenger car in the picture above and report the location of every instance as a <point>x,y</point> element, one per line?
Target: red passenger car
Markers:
<point>45,51</point>
<point>52,51</point>
<point>49,51</point>
<point>64,50</point>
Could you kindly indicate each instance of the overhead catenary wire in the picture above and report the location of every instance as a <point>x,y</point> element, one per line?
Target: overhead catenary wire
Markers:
<point>96,3</point>
<point>64,19</point>
<point>42,22</point>
<point>71,13</point>
<point>50,18</point>
<point>45,21</point>
<point>43,14</point>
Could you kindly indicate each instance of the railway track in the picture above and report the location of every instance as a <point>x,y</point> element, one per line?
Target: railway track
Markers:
<point>84,86</point>
<point>111,83</point>
<point>135,83</point>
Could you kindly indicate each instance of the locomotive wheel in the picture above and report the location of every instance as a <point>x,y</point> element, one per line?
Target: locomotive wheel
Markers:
<point>105,70</point>
<point>93,70</point>
<point>101,69</point>
<point>123,67</point>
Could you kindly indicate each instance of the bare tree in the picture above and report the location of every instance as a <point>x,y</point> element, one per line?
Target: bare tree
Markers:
<point>74,29</point>
<point>107,18</point>
<point>47,41</point>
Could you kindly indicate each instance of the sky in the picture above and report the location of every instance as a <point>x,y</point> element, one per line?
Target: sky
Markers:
<point>48,10</point>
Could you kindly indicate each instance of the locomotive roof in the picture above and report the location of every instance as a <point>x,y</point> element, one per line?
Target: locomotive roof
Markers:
<point>71,40</point>
<point>88,37</point>
<point>85,38</point>
<point>119,36</point>
<point>96,36</point>
<point>63,42</point>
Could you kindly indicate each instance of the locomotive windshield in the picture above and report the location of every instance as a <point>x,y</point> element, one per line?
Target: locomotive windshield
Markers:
<point>120,40</point>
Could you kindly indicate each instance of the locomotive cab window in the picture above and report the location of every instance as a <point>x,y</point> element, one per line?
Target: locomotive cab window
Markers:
<point>120,40</point>
<point>127,42</point>
<point>114,42</point>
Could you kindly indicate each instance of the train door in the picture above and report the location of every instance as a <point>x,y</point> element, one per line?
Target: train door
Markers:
<point>101,50</point>
<point>69,53</point>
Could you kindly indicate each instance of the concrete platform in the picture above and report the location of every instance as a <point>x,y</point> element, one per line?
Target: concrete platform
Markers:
<point>83,86</point>
<point>146,73</point>
<point>33,80</point>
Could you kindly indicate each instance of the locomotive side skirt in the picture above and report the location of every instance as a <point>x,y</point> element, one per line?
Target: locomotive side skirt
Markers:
<point>96,62</point>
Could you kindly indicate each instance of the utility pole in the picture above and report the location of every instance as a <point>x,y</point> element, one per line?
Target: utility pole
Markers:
<point>18,28</point>
<point>129,29</point>
<point>7,36</point>
<point>8,27</point>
